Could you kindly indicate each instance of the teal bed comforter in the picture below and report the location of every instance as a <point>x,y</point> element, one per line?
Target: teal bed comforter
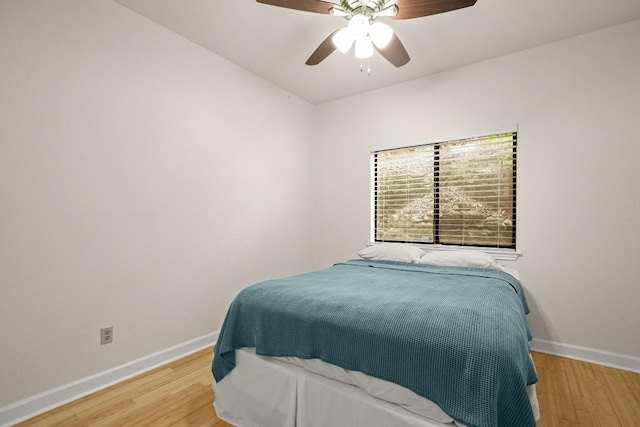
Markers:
<point>457,336</point>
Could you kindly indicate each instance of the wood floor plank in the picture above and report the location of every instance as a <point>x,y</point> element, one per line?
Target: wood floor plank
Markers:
<point>571,393</point>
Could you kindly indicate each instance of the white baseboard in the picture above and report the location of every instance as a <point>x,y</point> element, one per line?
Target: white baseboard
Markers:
<point>585,354</point>
<point>48,400</point>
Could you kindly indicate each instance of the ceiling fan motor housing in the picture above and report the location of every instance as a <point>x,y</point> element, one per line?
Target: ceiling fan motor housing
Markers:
<point>369,8</point>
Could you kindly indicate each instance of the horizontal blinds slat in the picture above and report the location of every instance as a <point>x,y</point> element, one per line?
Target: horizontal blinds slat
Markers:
<point>445,187</point>
<point>450,165</point>
<point>446,182</point>
<point>427,231</point>
<point>475,190</point>
<point>397,205</point>
<point>448,221</point>
<point>500,138</point>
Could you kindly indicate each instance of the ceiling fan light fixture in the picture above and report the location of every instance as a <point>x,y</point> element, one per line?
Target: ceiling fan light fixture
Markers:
<point>380,34</point>
<point>343,39</point>
<point>364,48</point>
<point>359,26</point>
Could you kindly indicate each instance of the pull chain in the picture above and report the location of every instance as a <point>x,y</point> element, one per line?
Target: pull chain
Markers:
<point>368,66</point>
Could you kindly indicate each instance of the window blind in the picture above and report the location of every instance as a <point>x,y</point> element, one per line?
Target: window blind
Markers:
<point>460,192</point>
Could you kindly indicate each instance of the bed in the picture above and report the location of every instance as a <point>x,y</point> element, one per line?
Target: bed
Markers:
<point>372,342</point>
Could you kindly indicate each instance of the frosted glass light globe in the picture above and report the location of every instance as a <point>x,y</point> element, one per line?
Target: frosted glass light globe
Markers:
<point>364,48</point>
<point>343,39</point>
<point>381,34</point>
<point>359,26</point>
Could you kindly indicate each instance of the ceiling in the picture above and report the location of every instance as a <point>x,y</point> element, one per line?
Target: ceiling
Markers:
<point>274,42</point>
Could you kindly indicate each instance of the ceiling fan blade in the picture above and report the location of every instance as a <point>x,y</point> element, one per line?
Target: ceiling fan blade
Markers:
<point>394,52</point>
<point>408,9</point>
<point>325,49</point>
<point>317,6</point>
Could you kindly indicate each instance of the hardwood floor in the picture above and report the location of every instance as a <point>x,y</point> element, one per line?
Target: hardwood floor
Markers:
<point>573,393</point>
<point>176,394</point>
<point>570,393</point>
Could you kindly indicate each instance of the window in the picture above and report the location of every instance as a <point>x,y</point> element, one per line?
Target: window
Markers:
<point>460,192</point>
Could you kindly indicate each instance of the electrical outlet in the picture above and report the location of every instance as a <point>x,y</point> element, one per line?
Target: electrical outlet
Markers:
<point>106,335</point>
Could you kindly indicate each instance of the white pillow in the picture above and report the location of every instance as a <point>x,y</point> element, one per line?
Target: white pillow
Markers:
<point>462,258</point>
<point>392,252</point>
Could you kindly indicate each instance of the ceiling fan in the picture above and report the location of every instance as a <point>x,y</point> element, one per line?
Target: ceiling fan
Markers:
<point>363,29</point>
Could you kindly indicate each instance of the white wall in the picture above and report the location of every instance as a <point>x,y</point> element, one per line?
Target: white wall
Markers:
<point>143,182</point>
<point>577,104</point>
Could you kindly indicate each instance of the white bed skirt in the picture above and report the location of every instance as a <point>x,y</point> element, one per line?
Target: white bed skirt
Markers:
<point>266,392</point>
